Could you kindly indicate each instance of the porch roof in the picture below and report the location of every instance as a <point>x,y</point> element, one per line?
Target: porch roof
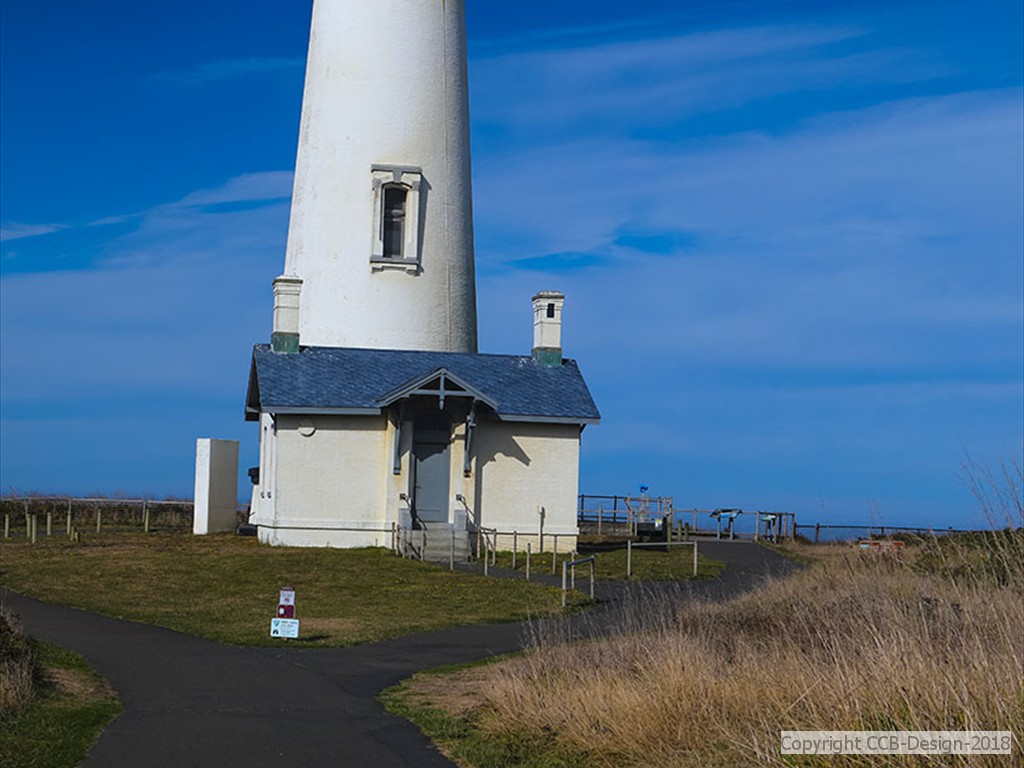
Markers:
<point>344,380</point>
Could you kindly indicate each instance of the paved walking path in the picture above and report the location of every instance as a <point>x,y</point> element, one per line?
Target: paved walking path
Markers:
<point>196,703</point>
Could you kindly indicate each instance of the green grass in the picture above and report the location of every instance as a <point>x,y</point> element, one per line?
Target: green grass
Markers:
<point>800,553</point>
<point>462,739</point>
<point>649,564</point>
<point>226,587</point>
<point>62,722</point>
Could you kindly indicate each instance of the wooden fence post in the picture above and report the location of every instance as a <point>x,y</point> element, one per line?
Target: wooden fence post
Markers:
<point>629,558</point>
<point>694,558</point>
<point>7,525</point>
<point>515,547</point>
<point>99,520</point>
<point>528,546</point>
<point>32,527</point>
<point>565,568</point>
<point>145,520</point>
<point>67,522</point>
<point>49,523</point>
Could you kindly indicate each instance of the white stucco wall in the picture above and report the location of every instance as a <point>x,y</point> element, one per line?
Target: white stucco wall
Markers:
<point>386,84</point>
<point>521,468</point>
<point>336,486</point>
<point>326,478</point>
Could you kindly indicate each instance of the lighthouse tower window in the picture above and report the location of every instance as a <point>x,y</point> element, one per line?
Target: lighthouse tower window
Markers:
<point>396,213</point>
<point>394,221</point>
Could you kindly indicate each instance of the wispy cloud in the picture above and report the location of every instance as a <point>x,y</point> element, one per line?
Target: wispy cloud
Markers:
<point>229,69</point>
<point>889,237</point>
<point>149,306</point>
<point>144,350</point>
<point>849,227</point>
<point>159,233</point>
<point>249,187</point>
<point>665,81</point>
<point>14,231</point>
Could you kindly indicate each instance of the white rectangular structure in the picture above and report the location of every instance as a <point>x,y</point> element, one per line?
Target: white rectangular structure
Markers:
<point>216,493</point>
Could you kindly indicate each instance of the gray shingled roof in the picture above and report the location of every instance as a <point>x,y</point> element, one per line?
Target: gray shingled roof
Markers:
<point>335,379</point>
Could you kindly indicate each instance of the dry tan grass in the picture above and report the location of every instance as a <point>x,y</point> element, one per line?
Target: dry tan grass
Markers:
<point>17,665</point>
<point>854,643</point>
<point>15,686</point>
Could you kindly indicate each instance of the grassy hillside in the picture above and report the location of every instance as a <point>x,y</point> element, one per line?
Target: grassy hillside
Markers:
<point>933,640</point>
<point>226,587</point>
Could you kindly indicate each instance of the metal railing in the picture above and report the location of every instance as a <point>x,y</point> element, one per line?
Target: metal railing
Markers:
<point>631,545</point>
<point>628,511</point>
<point>487,538</point>
<point>819,533</point>
<point>619,515</point>
<point>403,545</point>
<point>568,566</point>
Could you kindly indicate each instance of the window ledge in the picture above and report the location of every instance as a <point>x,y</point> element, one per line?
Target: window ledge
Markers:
<point>379,263</point>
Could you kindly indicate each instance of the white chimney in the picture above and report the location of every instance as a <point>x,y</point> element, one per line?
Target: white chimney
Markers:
<point>547,328</point>
<point>285,336</point>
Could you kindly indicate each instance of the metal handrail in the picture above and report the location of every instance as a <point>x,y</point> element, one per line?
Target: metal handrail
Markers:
<point>631,544</point>
<point>567,565</point>
<point>490,540</point>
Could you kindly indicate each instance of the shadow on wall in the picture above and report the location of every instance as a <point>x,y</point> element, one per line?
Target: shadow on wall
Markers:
<point>504,446</point>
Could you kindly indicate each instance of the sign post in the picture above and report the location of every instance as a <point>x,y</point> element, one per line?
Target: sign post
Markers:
<point>285,625</point>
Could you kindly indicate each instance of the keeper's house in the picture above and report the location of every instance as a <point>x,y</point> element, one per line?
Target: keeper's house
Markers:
<point>357,444</point>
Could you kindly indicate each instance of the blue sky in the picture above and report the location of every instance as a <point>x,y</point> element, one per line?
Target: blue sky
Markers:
<point>790,233</point>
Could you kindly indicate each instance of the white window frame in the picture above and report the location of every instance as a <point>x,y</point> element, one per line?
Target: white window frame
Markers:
<point>409,178</point>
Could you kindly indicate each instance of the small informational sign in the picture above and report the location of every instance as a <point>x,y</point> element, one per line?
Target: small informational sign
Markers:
<point>285,625</point>
<point>288,628</point>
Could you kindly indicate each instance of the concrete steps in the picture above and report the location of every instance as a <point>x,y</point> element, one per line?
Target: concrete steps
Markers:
<point>435,542</point>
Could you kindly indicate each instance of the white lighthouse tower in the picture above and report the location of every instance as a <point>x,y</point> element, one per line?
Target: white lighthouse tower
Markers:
<point>380,242</point>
